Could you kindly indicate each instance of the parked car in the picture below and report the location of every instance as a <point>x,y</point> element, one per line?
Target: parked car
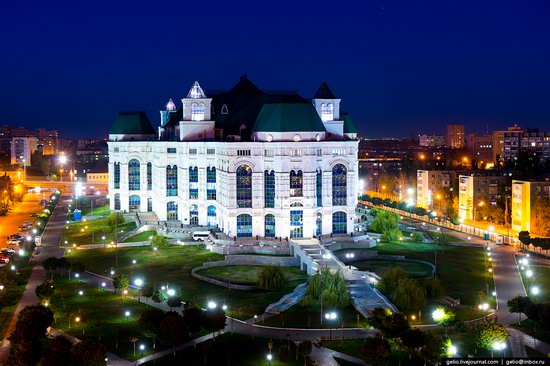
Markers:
<point>43,202</point>
<point>34,214</point>
<point>14,241</point>
<point>17,236</point>
<point>4,259</point>
<point>26,226</point>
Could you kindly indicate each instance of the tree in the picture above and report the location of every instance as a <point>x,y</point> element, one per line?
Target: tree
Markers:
<point>270,278</point>
<point>434,347</point>
<point>383,221</point>
<point>434,288</point>
<point>544,314</point>
<point>409,295</point>
<point>174,302</point>
<point>159,241</point>
<point>331,287</point>
<point>390,235</point>
<point>518,305</point>
<point>390,279</point>
<point>413,338</point>
<point>120,282</point>
<point>89,353</point>
<point>173,329</point>
<point>57,353</point>
<point>377,316</point>
<point>524,237</point>
<point>150,319</point>
<point>376,351</point>
<point>418,236</point>
<point>305,348</point>
<point>45,290</point>
<point>50,264</point>
<point>213,319</point>
<point>159,296</point>
<point>77,267</point>
<point>193,317</point>
<point>487,333</point>
<point>147,291</point>
<point>394,325</point>
<point>115,218</point>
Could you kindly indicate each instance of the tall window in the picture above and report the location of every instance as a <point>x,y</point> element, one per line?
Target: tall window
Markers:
<point>149,176</point>
<point>327,111</point>
<point>319,224</point>
<point>319,187</point>
<point>172,211</point>
<point>133,175</point>
<point>193,183</point>
<point>194,215</point>
<point>117,176</point>
<point>211,183</point>
<point>211,215</point>
<point>197,111</point>
<point>269,226</point>
<point>269,189</point>
<point>296,183</point>
<point>244,226</point>
<point>339,185</point>
<point>296,223</point>
<point>244,186</point>
<point>117,201</point>
<point>171,180</point>
<point>133,202</point>
<point>339,223</point>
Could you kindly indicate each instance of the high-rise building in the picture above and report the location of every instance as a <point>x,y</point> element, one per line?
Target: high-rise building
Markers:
<point>249,162</point>
<point>481,147</point>
<point>476,190</point>
<point>432,140</point>
<point>22,149</point>
<point>498,142</point>
<point>455,136</point>
<point>429,183</point>
<point>525,197</point>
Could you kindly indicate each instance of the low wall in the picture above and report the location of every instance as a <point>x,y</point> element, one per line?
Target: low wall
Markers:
<point>218,282</point>
<point>358,256</point>
<point>349,245</point>
<point>261,260</point>
<point>252,249</point>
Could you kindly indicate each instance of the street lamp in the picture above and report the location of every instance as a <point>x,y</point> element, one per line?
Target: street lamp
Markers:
<point>330,316</point>
<point>269,358</point>
<point>452,350</point>
<point>498,346</point>
<point>170,292</point>
<point>127,314</point>
<point>142,348</point>
<point>212,305</point>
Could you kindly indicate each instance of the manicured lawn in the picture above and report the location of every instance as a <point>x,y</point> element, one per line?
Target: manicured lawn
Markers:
<point>86,208</point>
<point>533,353</point>
<point>102,314</point>
<point>173,266</point>
<point>6,312</point>
<point>233,349</point>
<point>81,232</point>
<point>350,347</point>
<point>310,317</point>
<point>540,279</point>
<point>534,329</point>
<point>248,275</point>
<point>461,269</point>
<point>143,236</point>
<point>414,270</point>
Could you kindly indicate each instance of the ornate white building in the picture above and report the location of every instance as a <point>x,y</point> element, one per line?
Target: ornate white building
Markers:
<point>251,162</point>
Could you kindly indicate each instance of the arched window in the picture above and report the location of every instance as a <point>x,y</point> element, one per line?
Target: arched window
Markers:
<point>211,183</point>
<point>171,180</point>
<point>339,223</point>
<point>224,109</point>
<point>133,202</point>
<point>117,201</point>
<point>319,224</point>
<point>197,111</point>
<point>269,189</point>
<point>296,183</point>
<point>296,223</point>
<point>244,226</point>
<point>339,185</point>
<point>171,211</point>
<point>327,111</point>
<point>193,183</point>
<point>296,204</point>
<point>133,175</point>
<point>244,186</point>
<point>319,187</point>
<point>117,175</point>
<point>194,215</point>
<point>269,228</point>
<point>149,176</point>
<point>211,215</point>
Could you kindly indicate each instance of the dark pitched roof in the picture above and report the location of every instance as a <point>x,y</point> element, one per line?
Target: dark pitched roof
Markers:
<point>132,123</point>
<point>324,92</point>
<point>281,117</point>
<point>349,126</point>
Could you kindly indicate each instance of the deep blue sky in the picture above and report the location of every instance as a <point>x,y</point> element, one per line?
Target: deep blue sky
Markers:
<point>400,67</point>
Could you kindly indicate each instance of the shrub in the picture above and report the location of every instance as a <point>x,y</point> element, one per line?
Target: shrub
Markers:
<point>270,278</point>
<point>376,351</point>
<point>434,288</point>
<point>331,286</point>
<point>115,218</point>
<point>384,221</point>
<point>409,295</point>
<point>390,279</point>
<point>391,235</point>
<point>488,333</point>
<point>418,236</point>
<point>159,241</point>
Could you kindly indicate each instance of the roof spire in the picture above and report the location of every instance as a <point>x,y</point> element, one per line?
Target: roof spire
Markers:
<point>324,92</point>
<point>196,91</point>
<point>170,106</point>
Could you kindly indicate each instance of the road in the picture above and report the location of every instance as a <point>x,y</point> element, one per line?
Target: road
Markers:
<point>20,214</point>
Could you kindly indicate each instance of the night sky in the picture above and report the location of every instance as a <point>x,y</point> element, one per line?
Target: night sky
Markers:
<point>400,67</point>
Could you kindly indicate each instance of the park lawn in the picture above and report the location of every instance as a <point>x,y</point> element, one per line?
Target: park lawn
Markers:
<point>236,349</point>
<point>85,207</point>
<point>173,266</point>
<point>143,236</point>
<point>99,308</point>
<point>533,328</point>
<point>412,269</point>
<point>461,269</point>
<point>248,275</point>
<point>6,312</point>
<point>541,279</point>
<point>299,316</point>
<point>533,353</point>
<point>350,347</point>
<point>81,232</point>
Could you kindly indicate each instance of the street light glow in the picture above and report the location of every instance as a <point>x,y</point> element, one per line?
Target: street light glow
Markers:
<point>138,282</point>
<point>211,305</point>
<point>535,290</point>
<point>529,273</point>
<point>170,292</point>
<point>330,316</point>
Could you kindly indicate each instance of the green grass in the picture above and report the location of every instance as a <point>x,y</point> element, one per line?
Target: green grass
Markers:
<point>461,269</point>
<point>143,236</point>
<point>541,279</point>
<point>6,312</point>
<point>533,353</point>
<point>86,209</point>
<point>81,232</point>
<point>414,270</point>
<point>248,275</point>
<point>173,266</point>
<point>233,349</point>
<point>310,317</point>
<point>350,347</point>
<point>534,329</point>
<point>99,308</point>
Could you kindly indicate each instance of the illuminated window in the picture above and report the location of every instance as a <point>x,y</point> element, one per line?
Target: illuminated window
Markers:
<point>339,223</point>
<point>133,202</point>
<point>339,185</point>
<point>327,111</point>
<point>211,183</point>
<point>171,180</point>
<point>319,187</point>
<point>194,215</point>
<point>269,189</point>
<point>319,224</point>
<point>244,186</point>
<point>117,176</point>
<point>269,226</point>
<point>149,176</point>
<point>211,215</point>
<point>197,111</point>
<point>172,211</point>
<point>296,183</point>
<point>133,175</point>
<point>296,223</point>
<point>244,226</point>
<point>193,183</point>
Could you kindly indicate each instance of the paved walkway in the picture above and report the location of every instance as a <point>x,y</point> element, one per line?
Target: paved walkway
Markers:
<point>518,339</point>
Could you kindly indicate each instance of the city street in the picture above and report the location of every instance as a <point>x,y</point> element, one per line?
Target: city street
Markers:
<point>20,213</point>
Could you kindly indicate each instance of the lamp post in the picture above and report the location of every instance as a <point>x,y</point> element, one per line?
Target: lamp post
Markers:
<point>269,358</point>
<point>330,316</point>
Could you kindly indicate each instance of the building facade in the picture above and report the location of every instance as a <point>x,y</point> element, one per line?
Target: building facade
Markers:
<point>22,149</point>
<point>526,196</point>
<point>249,162</point>
<point>481,147</point>
<point>477,190</point>
<point>432,140</point>
<point>455,136</point>
<point>429,183</point>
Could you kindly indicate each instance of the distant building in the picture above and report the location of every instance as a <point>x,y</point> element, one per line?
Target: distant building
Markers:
<point>476,190</point>
<point>22,149</point>
<point>97,178</point>
<point>432,140</point>
<point>481,147</point>
<point>455,136</point>
<point>524,197</point>
<point>429,182</point>
<point>48,141</point>
<point>531,140</point>
<point>498,142</point>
